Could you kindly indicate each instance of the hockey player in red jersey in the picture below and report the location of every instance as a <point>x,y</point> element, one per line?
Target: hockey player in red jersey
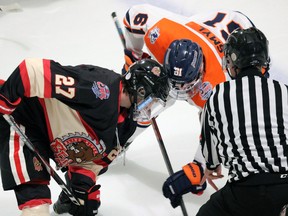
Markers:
<point>191,49</point>
<point>79,116</point>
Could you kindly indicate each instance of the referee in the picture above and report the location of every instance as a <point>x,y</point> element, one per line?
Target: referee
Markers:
<point>245,128</point>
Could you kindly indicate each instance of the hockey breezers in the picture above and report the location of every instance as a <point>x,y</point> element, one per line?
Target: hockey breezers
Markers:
<point>49,169</point>
<point>154,123</point>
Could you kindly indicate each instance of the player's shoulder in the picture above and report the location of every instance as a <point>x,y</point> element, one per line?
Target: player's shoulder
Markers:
<point>146,14</point>
<point>139,16</point>
<point>142,9</point>
<point>137,8</point>
<point>212,14</point>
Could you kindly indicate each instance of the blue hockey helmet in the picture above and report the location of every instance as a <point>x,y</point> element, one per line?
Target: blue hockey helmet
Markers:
<point>184,64</point>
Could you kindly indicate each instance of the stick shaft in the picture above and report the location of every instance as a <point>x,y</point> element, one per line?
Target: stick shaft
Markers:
<point>154,123</point>
<point>166,158</point>
<point>119,29</point>
<point>49,169</point>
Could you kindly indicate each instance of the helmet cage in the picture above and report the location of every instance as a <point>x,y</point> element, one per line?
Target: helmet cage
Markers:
<point>147,85</point>
<point>184,64</point>
<point>148,108</point>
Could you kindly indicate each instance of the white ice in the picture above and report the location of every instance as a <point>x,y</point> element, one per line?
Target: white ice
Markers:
<point>82,32</point>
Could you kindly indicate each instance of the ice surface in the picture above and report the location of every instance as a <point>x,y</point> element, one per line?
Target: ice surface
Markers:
<point>82,31</point>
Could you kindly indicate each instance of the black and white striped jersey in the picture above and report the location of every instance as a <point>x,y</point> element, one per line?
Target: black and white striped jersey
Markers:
<point>244,126</point>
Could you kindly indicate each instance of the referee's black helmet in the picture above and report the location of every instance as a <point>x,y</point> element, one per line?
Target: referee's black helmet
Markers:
<point>246,48</point>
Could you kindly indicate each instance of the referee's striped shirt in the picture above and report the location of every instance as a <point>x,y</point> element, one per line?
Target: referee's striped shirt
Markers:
<point>245,126</point>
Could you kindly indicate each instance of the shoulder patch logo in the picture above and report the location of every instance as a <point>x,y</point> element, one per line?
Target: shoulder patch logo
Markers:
<point>100,90</point>
<point>37,165</point>
<point>205,90</point>
<point>156,71</point>
<point>154,34</point>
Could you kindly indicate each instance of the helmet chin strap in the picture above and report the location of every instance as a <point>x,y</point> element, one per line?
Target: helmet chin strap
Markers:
<point>133,98</point>
<point>235,69</point>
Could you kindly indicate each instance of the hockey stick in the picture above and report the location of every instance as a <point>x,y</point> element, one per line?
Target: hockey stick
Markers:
<point>154,123</point>
<point>166,158</point>
<point>49,169</point>
<point>118,27</point>
<point>10,8</point>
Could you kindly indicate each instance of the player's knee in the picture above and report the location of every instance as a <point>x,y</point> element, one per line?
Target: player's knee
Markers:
<point>40,210</point>
<point>32,195</point>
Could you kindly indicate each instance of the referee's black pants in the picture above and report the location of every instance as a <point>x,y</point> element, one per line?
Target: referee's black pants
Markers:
<point>247,200</point>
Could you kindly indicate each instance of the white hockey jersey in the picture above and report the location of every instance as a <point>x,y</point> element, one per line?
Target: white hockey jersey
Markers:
<point>152,28</point>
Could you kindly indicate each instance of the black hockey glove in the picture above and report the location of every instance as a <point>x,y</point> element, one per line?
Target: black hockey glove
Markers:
<point>184,181</point>
<point>90,202</point>
<point>130,58</point>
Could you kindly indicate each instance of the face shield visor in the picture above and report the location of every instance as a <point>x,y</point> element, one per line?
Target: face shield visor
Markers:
<point>148,108</point>
<point>183,91</point>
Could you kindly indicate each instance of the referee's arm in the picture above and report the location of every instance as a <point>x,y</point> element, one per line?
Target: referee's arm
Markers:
<point>213,167</point>
<point>208,146</point>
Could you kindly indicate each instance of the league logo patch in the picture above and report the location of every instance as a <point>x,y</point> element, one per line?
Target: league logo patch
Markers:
<point>156,71</point>
<point>37,165</point>
<point>100,90</point>
<point>154,34</point>
<point>205,90</point>
<point>76,148</point>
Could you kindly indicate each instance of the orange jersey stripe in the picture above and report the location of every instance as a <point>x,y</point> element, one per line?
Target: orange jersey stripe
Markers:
<point>159,37</point>
<point>126,24</point>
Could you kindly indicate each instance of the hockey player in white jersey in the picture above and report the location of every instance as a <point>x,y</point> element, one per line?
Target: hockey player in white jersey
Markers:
<point>191,49</point>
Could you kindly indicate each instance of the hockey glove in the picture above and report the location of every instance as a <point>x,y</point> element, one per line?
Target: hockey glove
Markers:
<point>6,106</point>
<point>130,58</point>
<point>90,201</point>
<point>184,181</point>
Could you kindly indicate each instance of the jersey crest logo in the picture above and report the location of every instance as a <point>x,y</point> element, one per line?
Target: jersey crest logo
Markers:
<point>154,34</point>
<point>205,90</point>
<point>156,71</point>
<point>101,90</point>
<point>76,148</point>
<point>37,165</point>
